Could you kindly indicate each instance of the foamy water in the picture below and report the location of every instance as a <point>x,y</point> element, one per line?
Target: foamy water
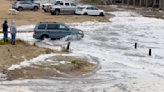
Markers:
<point>123,68</point>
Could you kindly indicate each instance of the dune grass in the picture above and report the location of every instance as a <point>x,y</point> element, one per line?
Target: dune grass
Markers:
<point>2,42</point>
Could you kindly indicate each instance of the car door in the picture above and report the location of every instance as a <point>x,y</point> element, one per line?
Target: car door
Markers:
<point>95,11</point>
<point>30,5</point>
<point>67,7</point>
<point>73,7</point>
<point>62,6</point>
<point>52,30</point>
<point>63,30</point>
<point>23,4</point>
<point>26,4</point>
<point>89,11</point>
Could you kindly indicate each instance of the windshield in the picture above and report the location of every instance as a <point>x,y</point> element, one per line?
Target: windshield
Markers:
<point>67,26</point>
<point>53,2</point>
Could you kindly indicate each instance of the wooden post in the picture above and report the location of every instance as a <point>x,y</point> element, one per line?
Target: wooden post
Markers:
<point>149,52</point>
<point>153,1</point>
<point>127,2</point>
<point>160,4</point>
<point>140,2</point>
<point>114,1</point>
<point>146,3</point>
<point>134,2</point>
<point>68,46</point>
<point>122,2</point>
<point>135,46</point>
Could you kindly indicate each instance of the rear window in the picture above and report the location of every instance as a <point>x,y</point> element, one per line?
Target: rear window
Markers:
<point>42,26</point>
<point>80,7</point>
<point>52,27</point>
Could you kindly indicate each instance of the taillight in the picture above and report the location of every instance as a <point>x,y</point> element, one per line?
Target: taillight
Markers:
<point>50,7</point>
<point>35,32</point>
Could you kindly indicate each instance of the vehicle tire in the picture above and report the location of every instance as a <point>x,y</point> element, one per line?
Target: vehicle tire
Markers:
<point>45,10</point>
<point>44,36</point>
<point>75,13</point>
<point>57,12</point>
<point>52,13</point>
<point>85,13</point>
<point>35,8</point>
<point>20,9</point>
<point>101,14</point>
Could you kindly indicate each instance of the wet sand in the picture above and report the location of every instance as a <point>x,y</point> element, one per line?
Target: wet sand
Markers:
<point>14,54</point>
<point>56,66</point>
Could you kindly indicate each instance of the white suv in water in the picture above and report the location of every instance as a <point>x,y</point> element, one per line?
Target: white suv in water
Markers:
<point>89,10</point>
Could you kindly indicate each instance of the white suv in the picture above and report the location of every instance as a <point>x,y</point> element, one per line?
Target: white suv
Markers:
<point>25,5</point>
<point>89,10</point>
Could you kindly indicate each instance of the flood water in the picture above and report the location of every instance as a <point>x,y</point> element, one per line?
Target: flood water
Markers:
<point>122,68</point>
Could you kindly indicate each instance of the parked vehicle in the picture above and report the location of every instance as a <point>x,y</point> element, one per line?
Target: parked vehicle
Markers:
<point>31,1</point>
<point>46,6</point>
<point>54,30</point>
<point>25,5</point>
<point>89,10</point>
<point>64,6</point>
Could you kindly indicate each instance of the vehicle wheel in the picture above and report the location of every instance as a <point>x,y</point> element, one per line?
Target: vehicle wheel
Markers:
<point>57,12</point>
<point>35,8</point>
<point>75,13</point>
<point>43,37</point>
<point>45,10</point>
<point>101,14</point>
<point>20,9</point>
<point>52,13</point>
<point>85,13</point>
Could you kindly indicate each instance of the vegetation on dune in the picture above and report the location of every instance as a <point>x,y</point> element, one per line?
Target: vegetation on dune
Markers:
<point>2,42</point>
